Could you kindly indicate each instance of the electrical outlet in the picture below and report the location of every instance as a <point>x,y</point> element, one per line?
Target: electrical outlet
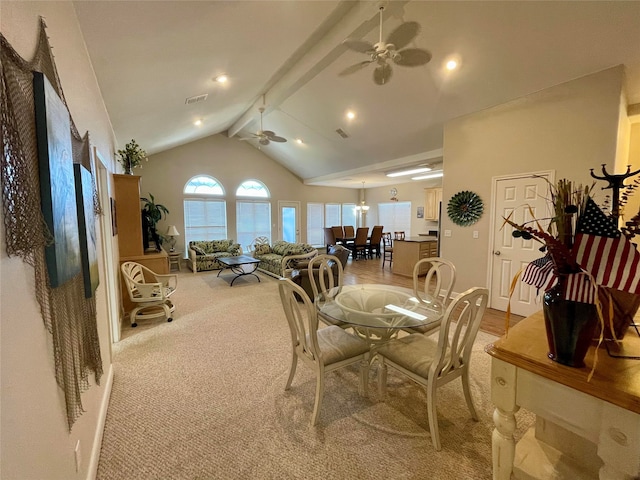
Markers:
<point>447,233</point>
<point>78,456</point>
<point>475,234</point>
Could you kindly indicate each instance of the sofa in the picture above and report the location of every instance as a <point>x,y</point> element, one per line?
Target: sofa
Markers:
<point>204,254</point>
<point>281,258</point>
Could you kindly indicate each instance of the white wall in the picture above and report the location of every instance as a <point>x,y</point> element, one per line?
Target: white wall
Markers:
<point>34,437</point>
<point>568,128</point>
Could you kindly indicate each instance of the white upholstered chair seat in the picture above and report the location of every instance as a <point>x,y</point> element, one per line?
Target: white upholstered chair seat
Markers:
<point>414,352</point>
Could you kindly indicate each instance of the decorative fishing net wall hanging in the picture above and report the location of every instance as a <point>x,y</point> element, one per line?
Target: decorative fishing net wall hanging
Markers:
<point>68,315</point>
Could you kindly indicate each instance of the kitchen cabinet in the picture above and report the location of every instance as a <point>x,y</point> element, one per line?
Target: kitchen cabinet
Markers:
<point>407,252</point>
<point>432,199</point>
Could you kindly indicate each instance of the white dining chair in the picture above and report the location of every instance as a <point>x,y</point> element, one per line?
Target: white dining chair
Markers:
<point>322,350</point>
<point>434,363</point>
<point>324,273</point>
<point>437,283</point>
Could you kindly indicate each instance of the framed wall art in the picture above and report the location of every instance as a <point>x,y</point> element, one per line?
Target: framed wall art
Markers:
<point>87,229</point>
<point>57,185</point>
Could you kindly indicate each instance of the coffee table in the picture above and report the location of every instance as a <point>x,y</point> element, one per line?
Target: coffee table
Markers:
<point>236,265</point>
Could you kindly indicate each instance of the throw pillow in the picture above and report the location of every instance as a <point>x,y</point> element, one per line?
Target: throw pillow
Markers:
<point>198,250</point>
<point>262,249</point>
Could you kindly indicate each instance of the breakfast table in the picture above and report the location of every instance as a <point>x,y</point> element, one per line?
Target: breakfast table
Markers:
<point>378,312</point>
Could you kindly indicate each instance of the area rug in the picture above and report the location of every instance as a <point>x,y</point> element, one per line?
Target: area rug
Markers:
<point>203,398</point>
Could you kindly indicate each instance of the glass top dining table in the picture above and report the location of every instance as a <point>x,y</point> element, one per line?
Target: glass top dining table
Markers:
<point>379,310</point>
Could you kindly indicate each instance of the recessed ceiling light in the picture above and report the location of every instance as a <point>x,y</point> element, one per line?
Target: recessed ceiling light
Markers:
<point>197,123</point>
<point>452,65</point>
<point>222,78</point>
<point>299,141</point>
<point>351,114</point>
<point>411,171</point>
<point>424,177</point>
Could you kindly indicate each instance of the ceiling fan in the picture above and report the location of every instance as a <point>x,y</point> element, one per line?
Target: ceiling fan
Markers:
<point>265,137</point>
<point>392,49</point>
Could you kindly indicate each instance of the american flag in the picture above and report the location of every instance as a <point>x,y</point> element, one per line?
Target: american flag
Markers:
<point>539,273</point>
<point>602,251</point>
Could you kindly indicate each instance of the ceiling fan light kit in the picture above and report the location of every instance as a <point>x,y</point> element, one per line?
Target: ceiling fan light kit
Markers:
<point>393,48</point>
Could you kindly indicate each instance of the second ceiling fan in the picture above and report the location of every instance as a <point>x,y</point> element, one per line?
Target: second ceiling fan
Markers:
<point>392,48</point>
<point>265,137</point>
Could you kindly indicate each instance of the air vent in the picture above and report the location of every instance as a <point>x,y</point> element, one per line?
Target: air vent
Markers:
<point>196,99</point>
<point>342,133</point>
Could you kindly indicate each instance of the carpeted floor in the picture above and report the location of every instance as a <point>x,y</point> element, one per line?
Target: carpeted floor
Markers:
<point>203,398</point>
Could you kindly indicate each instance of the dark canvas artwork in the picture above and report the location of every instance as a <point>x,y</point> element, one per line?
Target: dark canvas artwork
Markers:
<point>87,228</point>
<point>57,185</point>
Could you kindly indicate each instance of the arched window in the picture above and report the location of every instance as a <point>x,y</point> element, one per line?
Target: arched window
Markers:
<point>252,188</point>
<point>203,185</point>
<point>253,217</point>
<point>205,216</point>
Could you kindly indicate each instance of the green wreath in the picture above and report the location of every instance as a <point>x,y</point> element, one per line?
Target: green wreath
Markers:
<point>465,208</point>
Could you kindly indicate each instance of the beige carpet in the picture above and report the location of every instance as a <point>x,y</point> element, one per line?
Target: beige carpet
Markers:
<point>203,398</point>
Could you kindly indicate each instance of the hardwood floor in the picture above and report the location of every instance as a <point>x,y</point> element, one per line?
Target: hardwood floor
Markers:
<point>371,271</point>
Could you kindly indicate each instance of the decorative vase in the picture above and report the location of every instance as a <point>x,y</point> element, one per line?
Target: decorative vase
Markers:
<point>570,326</point>
<point>127,169</point>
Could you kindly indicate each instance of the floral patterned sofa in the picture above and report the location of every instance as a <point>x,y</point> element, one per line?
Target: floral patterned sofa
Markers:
<point>281,258</point>
<point>204,254</point>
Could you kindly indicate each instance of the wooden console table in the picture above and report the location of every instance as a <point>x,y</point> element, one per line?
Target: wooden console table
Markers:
<point>604,411</point>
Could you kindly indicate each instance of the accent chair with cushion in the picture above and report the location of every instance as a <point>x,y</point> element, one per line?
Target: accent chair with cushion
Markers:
<point>433,363</point>
<point>148,291</point>
<point>322,350</point>
<point>204,254</point>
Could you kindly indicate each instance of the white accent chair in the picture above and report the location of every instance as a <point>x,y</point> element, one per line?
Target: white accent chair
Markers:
<point>434,363</point>
<point>438,283</point>
<point>322,350</point>
<point>148,291</point>
<point>322,269</point>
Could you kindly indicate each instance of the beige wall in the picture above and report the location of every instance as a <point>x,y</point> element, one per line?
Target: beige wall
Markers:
<point>232,162</point>
<point>633,207</point>
<point>568,128</point>
<point>34,437</point>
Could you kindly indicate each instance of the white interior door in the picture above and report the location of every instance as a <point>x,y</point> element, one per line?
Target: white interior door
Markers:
<point>289,221</point>
<point>513,196</point>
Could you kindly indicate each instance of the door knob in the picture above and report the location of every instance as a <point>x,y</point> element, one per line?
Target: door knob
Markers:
<point>497,252</point>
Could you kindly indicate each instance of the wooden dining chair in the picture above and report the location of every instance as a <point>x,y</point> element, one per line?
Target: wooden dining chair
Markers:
<point>338,234</point>
<point>322,350</point>
<point>329,237</point>
<point>373,245</point>
<point>349,231</point>
<point>434,363</point>
<point>359,246</point>
<point>387,248</point>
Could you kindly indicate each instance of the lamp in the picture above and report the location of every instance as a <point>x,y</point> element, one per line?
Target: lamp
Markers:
<point>362,207</point>
<point>172,233</point>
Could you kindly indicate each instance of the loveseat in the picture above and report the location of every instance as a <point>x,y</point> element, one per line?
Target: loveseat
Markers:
<point>281,258</point>
<point>204,254</point>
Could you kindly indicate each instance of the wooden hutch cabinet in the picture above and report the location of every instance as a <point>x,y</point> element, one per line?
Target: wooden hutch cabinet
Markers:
<point>129,222</point>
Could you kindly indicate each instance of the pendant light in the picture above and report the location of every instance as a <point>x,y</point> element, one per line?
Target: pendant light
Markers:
<point>362,207</point>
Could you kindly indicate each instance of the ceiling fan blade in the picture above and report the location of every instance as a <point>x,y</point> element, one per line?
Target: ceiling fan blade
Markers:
<point>403,34</point>
<point>359,45</point>
<point>355,68</point>
<point>268,133</point>
<point>382,74</point>
<point>412,57</point>
<point>277,139</point>
<point>263,141</point>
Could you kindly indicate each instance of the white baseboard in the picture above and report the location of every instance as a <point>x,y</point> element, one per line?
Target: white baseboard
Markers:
<point>102,417</point>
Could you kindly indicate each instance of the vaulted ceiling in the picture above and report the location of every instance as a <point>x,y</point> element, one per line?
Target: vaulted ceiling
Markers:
<point>150,56</point>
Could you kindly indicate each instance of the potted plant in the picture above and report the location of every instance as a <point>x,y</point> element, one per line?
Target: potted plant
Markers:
<point>131,156</point>
<point>152,213</point>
